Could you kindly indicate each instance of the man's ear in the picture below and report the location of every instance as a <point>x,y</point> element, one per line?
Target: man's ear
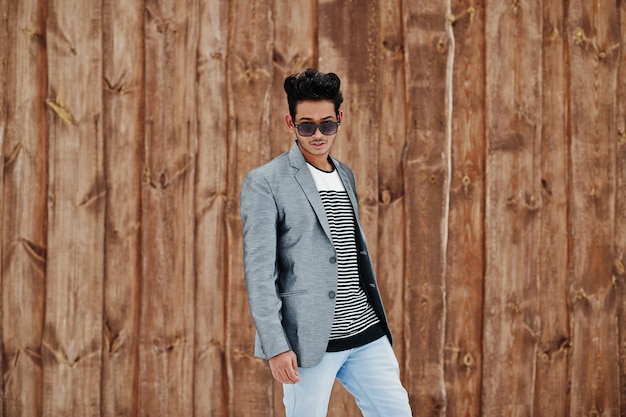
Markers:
<point>290,123</point>
<point>340,116</point>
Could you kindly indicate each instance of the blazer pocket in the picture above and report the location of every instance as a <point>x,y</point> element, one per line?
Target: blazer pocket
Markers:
<point>292,293</point>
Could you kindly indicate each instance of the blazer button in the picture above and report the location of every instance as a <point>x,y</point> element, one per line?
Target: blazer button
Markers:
<point>333,260</point>
<point>331,294</point>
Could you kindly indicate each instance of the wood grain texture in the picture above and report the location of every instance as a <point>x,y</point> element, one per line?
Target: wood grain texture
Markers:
<point>210,252</point>
<point>72,341</point>
<point>554,342</point>
<point>466,240</point>
<point>513,202</point>
<point>249,66</point>
<point>166,327</point>
<point>426,176</point>
<point>4,102</point>
<point>123,127</point>
<point>23,137</point>
<point>594,43</point>
<point>620,210</point>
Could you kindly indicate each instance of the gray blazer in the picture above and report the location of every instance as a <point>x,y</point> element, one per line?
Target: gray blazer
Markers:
<point>290,261</point>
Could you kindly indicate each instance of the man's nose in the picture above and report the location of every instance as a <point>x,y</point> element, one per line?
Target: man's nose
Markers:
<point>318,134</point>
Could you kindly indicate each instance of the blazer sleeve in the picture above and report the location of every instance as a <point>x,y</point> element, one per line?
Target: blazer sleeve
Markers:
<point>259,215</point>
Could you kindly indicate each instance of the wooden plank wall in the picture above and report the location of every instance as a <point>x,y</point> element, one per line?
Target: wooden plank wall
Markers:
<point>489,144</point>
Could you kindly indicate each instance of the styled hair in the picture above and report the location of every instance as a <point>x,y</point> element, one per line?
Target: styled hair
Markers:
<point>312,85</point>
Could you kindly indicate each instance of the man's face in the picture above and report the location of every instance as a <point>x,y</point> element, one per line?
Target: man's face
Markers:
<point>318,146</point>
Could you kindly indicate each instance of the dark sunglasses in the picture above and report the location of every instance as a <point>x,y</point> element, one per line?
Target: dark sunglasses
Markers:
<point>326,128</point>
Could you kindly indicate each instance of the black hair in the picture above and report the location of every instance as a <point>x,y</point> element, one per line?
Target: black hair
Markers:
<point>312,85</point>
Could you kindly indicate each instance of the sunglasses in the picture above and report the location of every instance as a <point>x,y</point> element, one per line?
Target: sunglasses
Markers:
<point>326,128</point>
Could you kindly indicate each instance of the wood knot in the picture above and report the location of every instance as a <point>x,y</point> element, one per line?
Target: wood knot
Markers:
<point>59,108</point>
<point>515,7</point>
<point>12,156</point>
<point>160,345</point>
<point>442,45</point>
<point>385,196</point>
<point>579,36</point>
<point>468,360</point>
<point>554,34</point>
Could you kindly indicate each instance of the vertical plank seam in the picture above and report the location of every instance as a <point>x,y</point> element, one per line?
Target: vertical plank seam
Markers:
<point>617,241</point>
<point>449,108</point>
<point>567,73</point>
<point>448,180</point>
<point>4,117</point>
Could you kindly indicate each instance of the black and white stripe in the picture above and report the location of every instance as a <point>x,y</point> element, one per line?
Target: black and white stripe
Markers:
<point>353,313</point>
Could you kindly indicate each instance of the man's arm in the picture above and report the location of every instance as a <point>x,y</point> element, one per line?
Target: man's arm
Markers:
<point>259,216</point>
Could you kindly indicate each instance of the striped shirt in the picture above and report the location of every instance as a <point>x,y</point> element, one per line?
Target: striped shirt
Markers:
<point>353,312</point>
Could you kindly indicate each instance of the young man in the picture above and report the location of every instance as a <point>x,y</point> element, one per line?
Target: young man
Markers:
<point>311,286</point>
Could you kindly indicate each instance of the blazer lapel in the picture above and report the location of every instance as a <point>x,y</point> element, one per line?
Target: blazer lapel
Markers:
<point>349,189</point>
<point>304,178</point>
<point>349,186</point>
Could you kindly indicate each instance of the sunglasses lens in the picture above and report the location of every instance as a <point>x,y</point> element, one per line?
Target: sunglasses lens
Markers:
<point>328,128</point>
<point>307,129</point>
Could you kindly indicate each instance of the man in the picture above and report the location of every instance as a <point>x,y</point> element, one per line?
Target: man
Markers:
<point>311,286</point>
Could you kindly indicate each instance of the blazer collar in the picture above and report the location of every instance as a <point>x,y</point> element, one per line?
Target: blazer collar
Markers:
<point>305,179</point>
<point>295,156</point>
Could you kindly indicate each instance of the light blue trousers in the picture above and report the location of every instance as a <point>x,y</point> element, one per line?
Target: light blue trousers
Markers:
<point>370,373</point>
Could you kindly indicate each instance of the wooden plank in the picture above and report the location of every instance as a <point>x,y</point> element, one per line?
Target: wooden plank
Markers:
<point>4,103</point>
<point>425,177</point>
<point>344,46</point>
<point>210,381</point>
<point>123,125</point>
<point>166,343</point>
<point>72,340</point>
<point>465,253</point>
<point>24,141</point>
<point>513,200</point>
<point>551,398</point>
<point>249,65</point>
<point>620,210</point>
<point>391,92</point>
<point>594,44</point>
